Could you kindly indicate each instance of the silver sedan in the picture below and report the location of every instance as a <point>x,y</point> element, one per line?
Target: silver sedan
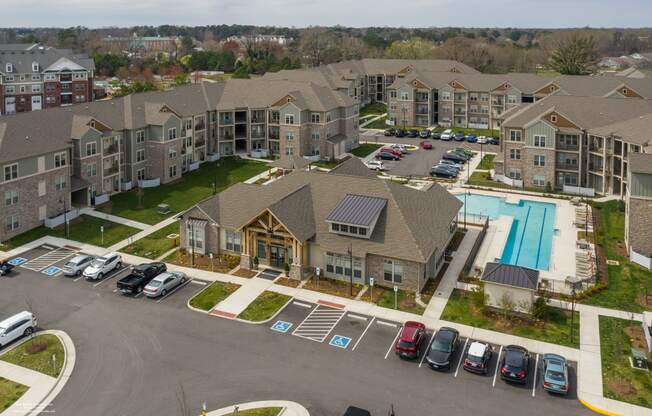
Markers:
<point>162,284</point>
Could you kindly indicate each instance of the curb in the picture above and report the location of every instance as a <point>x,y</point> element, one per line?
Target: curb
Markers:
<point>598,410</point>
<point>271,317</point>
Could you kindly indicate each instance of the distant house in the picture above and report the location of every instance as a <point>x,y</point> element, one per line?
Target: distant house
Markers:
<point>505,283</point>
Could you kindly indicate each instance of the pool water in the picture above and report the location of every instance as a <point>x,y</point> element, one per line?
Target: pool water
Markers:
<point>529,243</point>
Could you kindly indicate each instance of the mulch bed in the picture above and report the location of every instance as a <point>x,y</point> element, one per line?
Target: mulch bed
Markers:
<point>285,281</point>
<point>333,287</point>
<point>248,274</point>
<point>222,263</point>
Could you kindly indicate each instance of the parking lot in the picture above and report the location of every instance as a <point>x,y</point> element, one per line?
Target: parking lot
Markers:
<point>374,339</point>
<point>133,350</point>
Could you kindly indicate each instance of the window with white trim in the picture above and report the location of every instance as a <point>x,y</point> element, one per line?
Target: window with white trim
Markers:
<point>9,68</point>
<point>539,140</point>
<point>91,170</point>
<point>539,160</point>
<point>405,96</point>
<point>91,149</point>
<point>539,180</point>
<point>172,133</point>
<point>392,271</point>
<point>289,136</point>
<point>172,171</point>
<point>314,118</point>
<point>233,241</point>
<point>60,159</point>
<point>140,174</point>
<point>11,172</point>
<point>60,182</point>
<point>11,198</point>
<point>289,119</point>
<point>12,223</point>
<point>514,135</point>
<point>515,154</point>
<point>140,136</point>
<point>140,155</point>
<point>315,135</point>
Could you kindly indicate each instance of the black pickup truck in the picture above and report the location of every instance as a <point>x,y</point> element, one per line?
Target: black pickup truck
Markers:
<point>139,277</point>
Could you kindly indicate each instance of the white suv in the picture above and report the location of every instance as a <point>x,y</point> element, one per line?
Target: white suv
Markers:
<point>103,265</point>
<point>376,165</point>
<point>22,323</point>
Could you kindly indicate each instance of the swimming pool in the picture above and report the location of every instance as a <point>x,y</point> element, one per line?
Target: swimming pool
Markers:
<point>529,243</point>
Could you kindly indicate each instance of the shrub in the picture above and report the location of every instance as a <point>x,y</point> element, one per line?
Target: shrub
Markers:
<point>540,308</point>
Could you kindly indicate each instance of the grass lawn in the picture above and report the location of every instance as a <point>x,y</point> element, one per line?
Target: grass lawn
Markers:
<point>627,282</point>
<point>215,293</point>
<point>85,229</point>
<point>326,164</point>
<point>487,162</point>
<point>405,298</point>
<point>365,149</point>
<point>484,179</point>
<point>556,329</point>
<point>373,108</point>
<point>41,360</point>
<point>191,188</point>
<point>621,381</point>
<point>264,306</point>
<point>9,393</point>
<point>155,244</point>
<point>547,73</point>
<point>378,124</point>
<point>263,411</point>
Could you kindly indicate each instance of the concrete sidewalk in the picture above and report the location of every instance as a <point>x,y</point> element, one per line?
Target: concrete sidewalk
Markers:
<point>147,231</point>
<point>289,408</point>
<point>42,388</point>
<point>114,218</point>
<point>241,298</point>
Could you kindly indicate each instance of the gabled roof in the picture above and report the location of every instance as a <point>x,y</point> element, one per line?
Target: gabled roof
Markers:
<point>290,163</point>
<point>510,275</point>
<point>353,166</point>
<point>303,200</point>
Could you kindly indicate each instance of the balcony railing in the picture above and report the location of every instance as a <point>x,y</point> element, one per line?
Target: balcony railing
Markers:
<point>200,143</point>
<point>111,150</point>
<point>566,146</point>
<point>422,109</point>
<point>497,102</point>
<point>567,166</point>
<point>595,168</point>
<point>200,126</point>
<point>111,170</point>
<point>226,120</point>
<point>226,137</point>
<point>421,98</point>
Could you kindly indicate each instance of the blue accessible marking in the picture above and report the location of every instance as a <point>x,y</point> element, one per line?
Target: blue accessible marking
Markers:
<point>281,326</point>
<point>17,261</point>
<point>340,341</point>
<point>51,271</point>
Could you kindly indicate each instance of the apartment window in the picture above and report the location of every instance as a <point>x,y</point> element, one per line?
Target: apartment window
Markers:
<point>36,77</point>
<point>12,223</point>
<point>539,180</point>
<point>172,171</point>
<point>23,89</point>
<point>36,88</point>
<point>233,241</point>
<point>315,135</point>
<point>11,172</point>
<point>60,160</point>
<point>329,117</point>
<point>140,174</point>
<point>539,160</point>
<point>9,68</point>
<point>289,151</point>
<point>11,198</point>
<point>172,152</point>
<point>392,94</point>
<point>140,155</point>
<point>50,77</point>
<point>10,89</point>
<point>392,271</point>
<point>91,169</point>
<point>314,118</point>
<point>50,100</point>
<point>515,154</point>
<point>289,119</point>
<point>515,135</point>
<point>289,136</point>
<point>140,136</point>
<point>512,99</point>
<point>539,141</point>
<point>60,183</point>
<point>172,133</point>
<point>514,173</point>
<point>91,149</point>
<point>405,96</point>
<point>188,124</point>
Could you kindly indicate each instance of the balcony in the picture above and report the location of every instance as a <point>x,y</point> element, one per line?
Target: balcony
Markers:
<point>595,168</point>
<point>421,98</point>
<point>111,170</point>
<point>226,137</point>
<point>200,143</point>
<point>422,109</point>
<point>567,146</point>
<point>567,166</point>
<point>496,101</point>
<point>111,149</point>
<point>201,125</point>
<point>596,149</point>
<point>460,112</point>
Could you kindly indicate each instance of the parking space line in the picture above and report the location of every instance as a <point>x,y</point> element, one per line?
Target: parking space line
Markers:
<point>113,274</point>
<point>176,289</point>
<point>393,342</point>
<point>457,370</point>
<point>305,305</point>
<point>362,318</point>
<point>48,259</point>
<point>77,279</point>
<point>319,323</point>
<point>393,325</point>
<point>432,338</point>
<point>534,381</point>
<point>363,333</point>
<point>198,282</point>
<point>497,366</point>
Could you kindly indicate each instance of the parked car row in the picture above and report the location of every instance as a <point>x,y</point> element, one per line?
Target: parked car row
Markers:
<point>514,364</point>
<point>446,135</point>
<point>392,152</point>
<point>451,163</point>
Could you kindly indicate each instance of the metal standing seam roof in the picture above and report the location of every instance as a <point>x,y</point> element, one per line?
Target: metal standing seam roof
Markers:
<point>357,210</point>
<point>510,275</point>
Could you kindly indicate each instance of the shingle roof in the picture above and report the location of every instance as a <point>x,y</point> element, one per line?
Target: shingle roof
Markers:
<point>510,275</point>
<point>640,163</point>
<point>636,130</point>
<point>357,210</point>
<point>354,167</point>
<point>303,200</point>
<point>290,163</point>
<point>22,56</point>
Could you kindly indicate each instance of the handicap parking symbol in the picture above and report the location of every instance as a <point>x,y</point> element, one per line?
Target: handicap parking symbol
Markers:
<point>51,271</point>
<point>281,326</point>
<point>340,341</point>
<point>17,261</point>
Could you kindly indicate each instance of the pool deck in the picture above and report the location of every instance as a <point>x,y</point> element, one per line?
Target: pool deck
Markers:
<point>564,242</point>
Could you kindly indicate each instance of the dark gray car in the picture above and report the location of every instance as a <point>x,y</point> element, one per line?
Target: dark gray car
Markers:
<point>442,349</point>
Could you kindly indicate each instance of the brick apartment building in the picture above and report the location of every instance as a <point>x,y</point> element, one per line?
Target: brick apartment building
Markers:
<point>34,77</point>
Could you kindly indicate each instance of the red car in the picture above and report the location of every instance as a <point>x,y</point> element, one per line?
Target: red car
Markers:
<point>393,151</point>
<point>409,341</point>
<point>426,145</point>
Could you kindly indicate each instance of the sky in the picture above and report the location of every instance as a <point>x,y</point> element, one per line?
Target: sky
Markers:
<point>355,13</point>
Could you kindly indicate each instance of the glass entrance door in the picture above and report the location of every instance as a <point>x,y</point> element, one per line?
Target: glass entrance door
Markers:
<point>277,256</point>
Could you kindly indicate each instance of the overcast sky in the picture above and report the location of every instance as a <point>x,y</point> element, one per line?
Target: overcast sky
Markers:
<point>358,13</point>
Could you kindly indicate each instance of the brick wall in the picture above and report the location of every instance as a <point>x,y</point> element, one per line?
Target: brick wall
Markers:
<point>640,225</point>
<point>412,273</point>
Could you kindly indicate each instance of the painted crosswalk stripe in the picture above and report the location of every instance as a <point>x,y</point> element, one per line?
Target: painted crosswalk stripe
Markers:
<point>319,323</point>
<point>48,259</point>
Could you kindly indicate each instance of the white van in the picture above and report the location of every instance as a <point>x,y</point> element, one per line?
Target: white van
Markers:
<point>23,323</point>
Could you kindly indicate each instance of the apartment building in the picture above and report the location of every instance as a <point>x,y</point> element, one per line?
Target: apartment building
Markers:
<point>82,154</point>
<point>34,77</point>
<point>565,142</point>
<point>350,226</point>
<point>638,212</point>
<point>475,100</point>
<point>143,45</point>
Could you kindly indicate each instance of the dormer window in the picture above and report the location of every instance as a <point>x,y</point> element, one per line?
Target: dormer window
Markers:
<point>9,68</point>
<point>34,66</point>
<point>356,215</point>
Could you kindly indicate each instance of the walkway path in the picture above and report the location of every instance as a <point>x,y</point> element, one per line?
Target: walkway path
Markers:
<point>289,408</point>
<point>372,119</point>
<point>150,229</point>
<point>449,280</point>
<point>241,298</point>
<point>42,387</point>
<point>114,218</point>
